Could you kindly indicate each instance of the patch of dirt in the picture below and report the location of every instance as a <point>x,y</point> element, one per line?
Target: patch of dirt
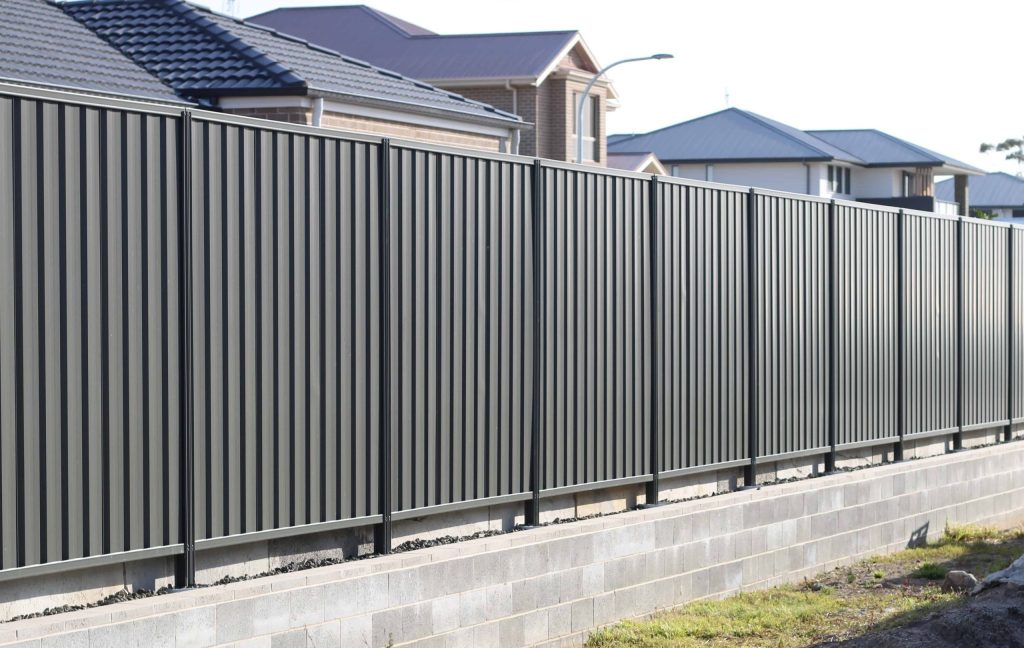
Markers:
<point>993,618</point>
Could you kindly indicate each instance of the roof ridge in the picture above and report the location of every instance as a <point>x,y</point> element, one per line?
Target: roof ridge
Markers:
<point>348,59</point>
<point>627,138</point>
<point>255,56</point>
<point>766,122</point>
<point>491,34</point>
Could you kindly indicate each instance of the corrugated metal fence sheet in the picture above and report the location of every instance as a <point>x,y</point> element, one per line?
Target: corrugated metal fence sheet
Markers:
<point>703,299</point>
<point>285,291</point>
<point>597,327</point>
<point>792,328</point>
<point>866,324</point>
<point>930,325</point>
<point>461,258</point>
<point>89,346</point>
<point>986,339</point>
<point>1017,331</point>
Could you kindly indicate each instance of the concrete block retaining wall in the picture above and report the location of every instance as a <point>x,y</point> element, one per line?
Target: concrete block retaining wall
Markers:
<point>553,585</point>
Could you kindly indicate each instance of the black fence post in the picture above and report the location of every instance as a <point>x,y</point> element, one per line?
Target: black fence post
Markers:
<point>833,300</point>
<point>958,437</point>
<point>1008,432</point>
<point>382,533</point>
<point>185,565</point>
<point>537,256</point>
<point>654,241</point>
<point>753,409</point>
<point>901,314</point>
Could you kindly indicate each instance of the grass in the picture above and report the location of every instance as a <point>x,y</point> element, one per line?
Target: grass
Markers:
<point>840,604</point>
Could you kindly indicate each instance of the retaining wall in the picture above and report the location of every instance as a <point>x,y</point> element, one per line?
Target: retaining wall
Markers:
<point>554,585</point>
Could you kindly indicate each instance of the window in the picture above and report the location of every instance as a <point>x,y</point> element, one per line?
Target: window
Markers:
<point>591,126</point>
<point>1018,213</point>
<point>838,179</point>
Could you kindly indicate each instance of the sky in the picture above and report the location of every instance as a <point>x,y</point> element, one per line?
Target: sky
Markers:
<point>944,75</point>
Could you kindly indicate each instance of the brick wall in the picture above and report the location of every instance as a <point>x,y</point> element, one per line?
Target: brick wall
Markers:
<point>525,106</point>
<point>376,127</point>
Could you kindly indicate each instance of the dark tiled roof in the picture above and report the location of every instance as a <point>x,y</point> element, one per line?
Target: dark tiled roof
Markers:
<point>199,52</point>
<point>731,135</point>
<point>41,45</point>
<point>987,191</point>
<point>881,149</point>
<point>371,35</point>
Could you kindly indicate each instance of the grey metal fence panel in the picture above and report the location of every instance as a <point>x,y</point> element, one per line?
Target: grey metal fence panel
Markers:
<point>866,324</point>
<point>89,331</point>
<point>985,325</point>
<point>286,333</point>
<point>703,322</point>
<point>461,335</point>
<point>1017,318</point>
<point>792,331</point>
<point>596,342</point>
<point>930,328</point>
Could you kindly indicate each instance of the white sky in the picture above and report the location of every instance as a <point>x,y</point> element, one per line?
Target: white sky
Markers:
<point>946,75</point>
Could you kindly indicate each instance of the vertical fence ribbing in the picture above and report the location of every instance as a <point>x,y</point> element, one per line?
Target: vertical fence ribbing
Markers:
<point>654,240</point>
<point>832,414</point>
<point>753,409</point>
<point>537,260</point>
<point>185,572</point>
<point>960,269</point>
<point>901,308</point>
<point>382,533</point>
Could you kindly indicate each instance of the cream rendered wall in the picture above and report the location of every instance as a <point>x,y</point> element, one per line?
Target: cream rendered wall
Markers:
<point>878,183</point>
<point>780,176</point>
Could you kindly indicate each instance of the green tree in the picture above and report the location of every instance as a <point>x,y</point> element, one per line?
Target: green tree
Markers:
<point>1012,147</point>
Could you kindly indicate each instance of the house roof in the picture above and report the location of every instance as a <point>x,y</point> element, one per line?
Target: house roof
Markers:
<point>731,135</point>
<point>987,191</point>
<point>40,45</point>
<point>364,32</point>
<point>879,149</point>
<point>635,162</point>
<point>202,53</point>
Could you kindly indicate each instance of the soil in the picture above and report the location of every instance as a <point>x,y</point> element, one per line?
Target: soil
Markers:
<point>993,618</point>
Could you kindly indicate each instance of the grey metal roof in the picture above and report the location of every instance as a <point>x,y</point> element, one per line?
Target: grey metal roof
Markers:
<point>202,53</point>
<point>987,191</point>
<point>366,33</point>
<point>731,135</point>
<point>881,149</point>
<point>41,45</point>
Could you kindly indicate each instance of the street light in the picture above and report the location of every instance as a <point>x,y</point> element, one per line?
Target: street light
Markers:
<point>586,95</point>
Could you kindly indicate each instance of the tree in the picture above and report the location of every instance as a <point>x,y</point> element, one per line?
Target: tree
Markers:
<point>1012,147</point>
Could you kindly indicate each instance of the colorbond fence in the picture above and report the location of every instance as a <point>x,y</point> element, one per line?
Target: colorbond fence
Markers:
<point>216,330</point>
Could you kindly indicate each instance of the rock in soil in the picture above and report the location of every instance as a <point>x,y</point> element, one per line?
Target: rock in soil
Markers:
<point>959,581</point>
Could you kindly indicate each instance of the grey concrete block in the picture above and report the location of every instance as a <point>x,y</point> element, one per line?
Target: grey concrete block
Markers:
<point>535,627</point>
<point>307,606</point>
<point>444,613</point>
<point>417,620</point>
<point>195,627</point>
<point>559,620</point>
<point>604,609</point>
<point>498,602</point>
<point>355,631</point>
<point>235,620</point>
<point>272,613</point>
<point>386,627</point>
<point>324,635</point>
<point>473,607</point>
<point>290,639</point>
<point>582,614</point>
<point>511,632</point>
<point>78,639</point>
<point>157,631</point>
<point>356,596</point>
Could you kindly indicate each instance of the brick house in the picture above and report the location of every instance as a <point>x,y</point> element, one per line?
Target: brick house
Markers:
<point>238,67</point>
<point>536,75</point>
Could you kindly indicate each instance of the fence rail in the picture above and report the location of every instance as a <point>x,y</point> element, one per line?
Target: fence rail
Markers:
<point>216,329</point>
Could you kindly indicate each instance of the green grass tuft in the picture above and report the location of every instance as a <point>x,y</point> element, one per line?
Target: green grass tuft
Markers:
<point>931,571</point>
<point>970,534</point>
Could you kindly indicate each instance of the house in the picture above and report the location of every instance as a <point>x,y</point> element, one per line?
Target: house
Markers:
<point>41,46</point>
<point>537,75</point>
<point>740,147</point>
<point>640,162</point>
<point>249,69</point>
<point>999,194</point>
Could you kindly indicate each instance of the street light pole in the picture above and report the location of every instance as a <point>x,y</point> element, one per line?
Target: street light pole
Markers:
<point>586,95</point>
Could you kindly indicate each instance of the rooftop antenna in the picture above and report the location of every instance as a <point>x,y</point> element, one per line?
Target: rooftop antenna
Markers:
<point>230,6</point>
<point>726,90</point>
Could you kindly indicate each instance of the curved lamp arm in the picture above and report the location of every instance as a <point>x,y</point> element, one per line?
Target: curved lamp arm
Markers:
<point>586,94</point>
